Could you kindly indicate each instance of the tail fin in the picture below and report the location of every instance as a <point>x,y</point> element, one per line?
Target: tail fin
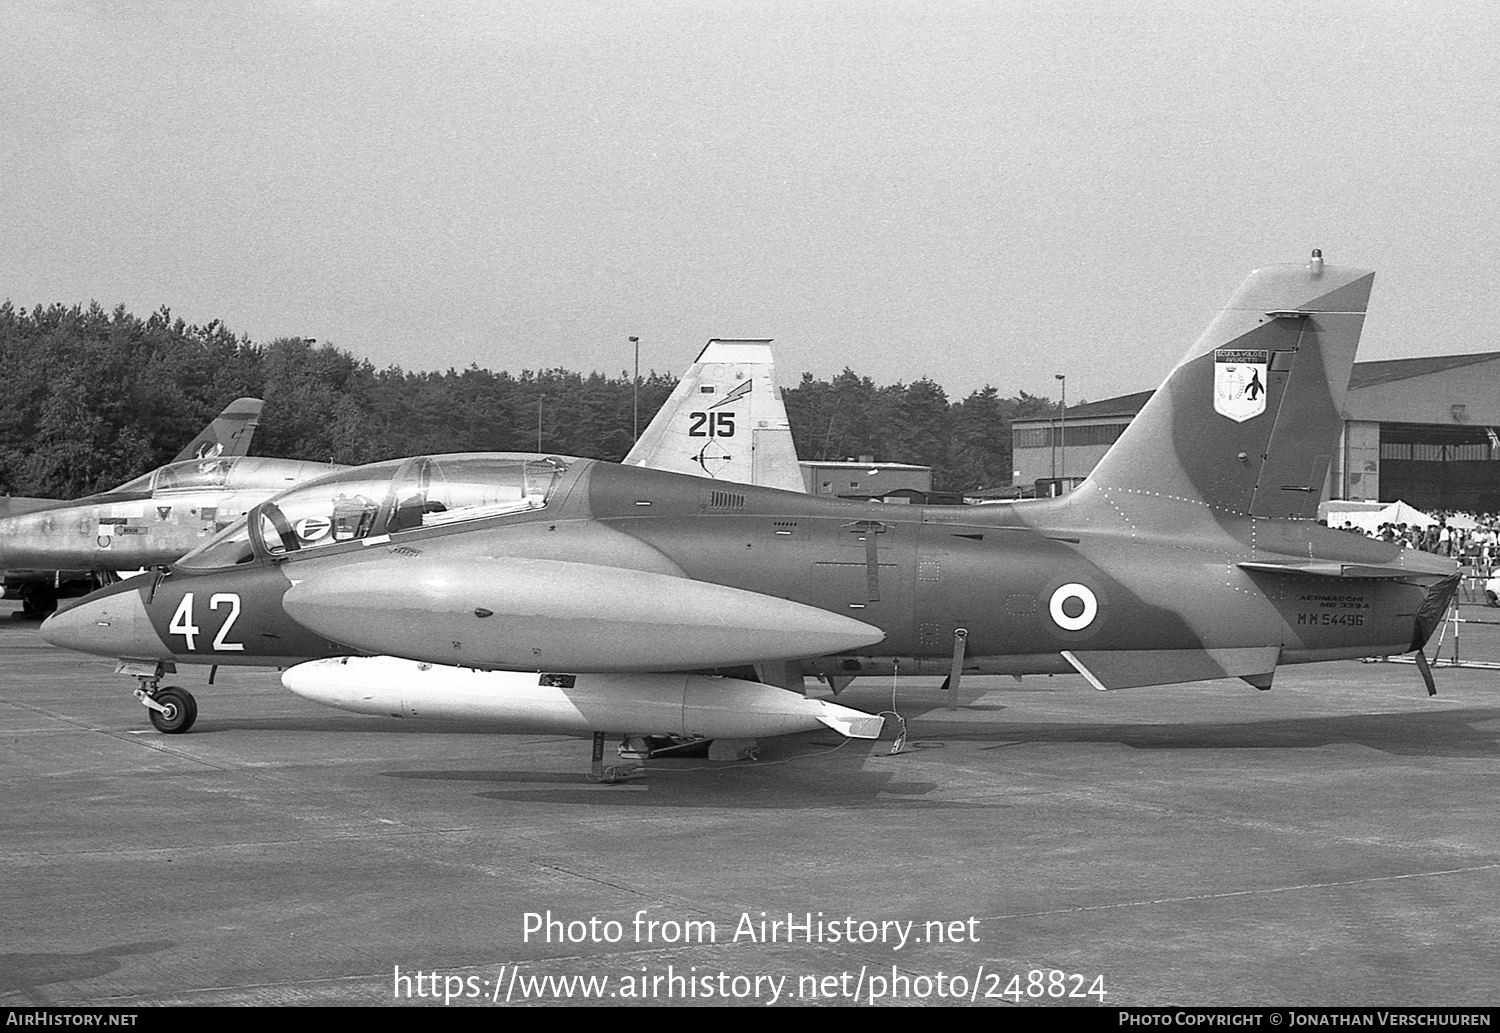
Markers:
<point>1249,420</point>
<point>725,420</point>
<point>228,435</point>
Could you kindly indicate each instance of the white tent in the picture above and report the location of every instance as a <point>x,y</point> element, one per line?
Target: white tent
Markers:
<point>1399,513</point>
<point>1369,516</point>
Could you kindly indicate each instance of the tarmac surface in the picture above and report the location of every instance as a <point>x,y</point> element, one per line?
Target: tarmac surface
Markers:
<point>1331,842</point>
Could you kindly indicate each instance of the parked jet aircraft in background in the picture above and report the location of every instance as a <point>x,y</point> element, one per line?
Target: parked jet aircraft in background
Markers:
<point>50,547</point>
<point>725,420</point>
<point>1190,553</point>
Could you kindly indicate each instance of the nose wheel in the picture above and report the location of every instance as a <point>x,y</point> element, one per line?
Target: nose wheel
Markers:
<point>173,710</point>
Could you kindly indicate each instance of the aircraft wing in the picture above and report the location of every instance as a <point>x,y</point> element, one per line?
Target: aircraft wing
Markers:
<point>725,420</point>
<point>16,505</point>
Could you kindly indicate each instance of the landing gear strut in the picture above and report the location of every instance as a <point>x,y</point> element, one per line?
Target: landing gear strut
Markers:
<point>608,774</point>
<point>172,710</point>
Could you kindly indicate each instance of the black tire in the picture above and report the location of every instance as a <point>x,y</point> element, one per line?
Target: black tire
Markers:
<point>39,603</point>
<point>181,712</point>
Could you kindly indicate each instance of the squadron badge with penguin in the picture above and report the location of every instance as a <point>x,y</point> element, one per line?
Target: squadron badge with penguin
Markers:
<point>1240,382</point>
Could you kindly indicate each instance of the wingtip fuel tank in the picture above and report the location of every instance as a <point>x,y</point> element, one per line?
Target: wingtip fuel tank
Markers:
<point>531,614</point>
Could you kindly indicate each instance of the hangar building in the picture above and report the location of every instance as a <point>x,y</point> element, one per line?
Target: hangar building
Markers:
<point>867,479</point>
<point>1426,431</point>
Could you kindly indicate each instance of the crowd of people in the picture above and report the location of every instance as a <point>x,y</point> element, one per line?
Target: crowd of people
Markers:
<point>1472,539</point>
<point>1475,544</point>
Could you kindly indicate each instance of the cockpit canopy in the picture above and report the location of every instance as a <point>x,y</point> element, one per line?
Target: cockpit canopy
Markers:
<point>384,499</point>
<point>190,473</point>
<point>232,473</point>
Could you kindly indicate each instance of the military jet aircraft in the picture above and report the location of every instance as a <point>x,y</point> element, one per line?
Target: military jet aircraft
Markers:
<point>1190,553</point>
<point>50,547</point>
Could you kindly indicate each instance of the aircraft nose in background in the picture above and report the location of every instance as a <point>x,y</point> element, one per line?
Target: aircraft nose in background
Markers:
<point>114,625</point>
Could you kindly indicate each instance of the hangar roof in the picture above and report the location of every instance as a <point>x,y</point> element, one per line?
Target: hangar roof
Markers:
<point>1368,374</point>
<point>1364,374</point>
<point>1124,405</point>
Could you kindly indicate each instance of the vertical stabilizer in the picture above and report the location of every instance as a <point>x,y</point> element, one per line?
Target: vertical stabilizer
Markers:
<point>1249,420</point>
<point>229,434</point>
<point>725,420</point>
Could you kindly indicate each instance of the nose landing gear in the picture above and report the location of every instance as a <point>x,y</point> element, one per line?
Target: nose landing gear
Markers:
<point>172,710</point>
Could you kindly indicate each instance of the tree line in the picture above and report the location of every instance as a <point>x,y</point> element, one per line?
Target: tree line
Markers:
<point>90,399</point>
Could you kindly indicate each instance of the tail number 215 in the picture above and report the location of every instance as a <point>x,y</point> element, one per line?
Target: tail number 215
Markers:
<point>711,425</point>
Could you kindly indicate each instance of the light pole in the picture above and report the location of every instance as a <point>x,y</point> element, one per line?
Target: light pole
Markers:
<point>1062,473</point>
<point>539,402</point>
<point>635,393</point>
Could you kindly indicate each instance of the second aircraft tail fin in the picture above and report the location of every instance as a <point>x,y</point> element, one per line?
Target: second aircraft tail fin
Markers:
<point>228,435</point>
<point>725,420</point>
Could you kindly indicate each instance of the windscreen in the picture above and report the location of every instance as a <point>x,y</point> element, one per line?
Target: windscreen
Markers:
<point>194,473</point>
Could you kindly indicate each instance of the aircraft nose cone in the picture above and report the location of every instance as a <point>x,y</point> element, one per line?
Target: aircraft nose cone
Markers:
<point>114,625</point>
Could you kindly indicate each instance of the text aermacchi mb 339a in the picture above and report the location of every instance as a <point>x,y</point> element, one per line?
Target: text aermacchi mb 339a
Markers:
<point>535,592</point>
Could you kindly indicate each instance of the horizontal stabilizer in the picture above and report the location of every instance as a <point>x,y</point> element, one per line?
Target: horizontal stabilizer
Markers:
<point>1333,568</point>
<point>1128,669</point>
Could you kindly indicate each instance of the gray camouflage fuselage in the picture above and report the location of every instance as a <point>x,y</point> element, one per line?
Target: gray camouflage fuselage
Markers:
<point>1000,573</point>
<point>1190,552</point>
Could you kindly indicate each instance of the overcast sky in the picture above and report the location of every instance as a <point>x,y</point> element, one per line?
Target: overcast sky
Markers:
<point>977,193</point>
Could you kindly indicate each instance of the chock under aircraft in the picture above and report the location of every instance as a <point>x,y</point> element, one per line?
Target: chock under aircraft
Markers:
<point>638,601</point>
<point>51,548</point>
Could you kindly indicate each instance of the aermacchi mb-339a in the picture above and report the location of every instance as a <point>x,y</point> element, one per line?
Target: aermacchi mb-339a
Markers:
<point>50,547</point>
<point>535,592</point>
